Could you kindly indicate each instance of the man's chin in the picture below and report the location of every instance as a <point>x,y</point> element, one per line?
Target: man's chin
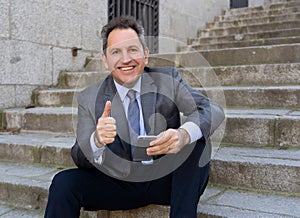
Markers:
<point>131,82</point>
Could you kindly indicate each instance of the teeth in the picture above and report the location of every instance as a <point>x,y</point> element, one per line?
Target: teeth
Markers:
<point>127,68</point>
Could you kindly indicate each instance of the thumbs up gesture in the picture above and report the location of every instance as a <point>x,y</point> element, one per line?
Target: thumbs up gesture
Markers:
<point>106,127</point>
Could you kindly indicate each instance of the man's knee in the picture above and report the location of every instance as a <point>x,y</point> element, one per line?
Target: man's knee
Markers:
<point>62,182</point>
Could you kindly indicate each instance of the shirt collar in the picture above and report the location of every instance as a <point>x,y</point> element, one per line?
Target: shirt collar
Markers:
<point>122,90</point>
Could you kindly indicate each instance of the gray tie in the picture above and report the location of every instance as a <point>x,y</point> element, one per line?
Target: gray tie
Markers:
<point>133,116</point>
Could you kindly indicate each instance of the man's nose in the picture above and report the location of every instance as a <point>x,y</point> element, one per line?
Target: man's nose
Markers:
<point>126,57</point>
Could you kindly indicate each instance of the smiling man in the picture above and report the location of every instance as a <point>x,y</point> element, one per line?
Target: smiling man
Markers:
<point>125,59</point>
<point>136,100</point>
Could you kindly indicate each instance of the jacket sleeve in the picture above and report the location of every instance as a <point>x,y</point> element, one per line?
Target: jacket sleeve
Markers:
<point>79,158</point>
<point>196,107</point>
<point>81,151</point>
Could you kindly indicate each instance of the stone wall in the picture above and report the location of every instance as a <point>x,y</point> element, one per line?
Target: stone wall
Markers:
<point>179,20</point>
<point>36,38</point>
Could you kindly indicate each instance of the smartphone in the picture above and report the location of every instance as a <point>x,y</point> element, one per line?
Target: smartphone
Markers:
<point>144,141</point>
<point>140,153</point>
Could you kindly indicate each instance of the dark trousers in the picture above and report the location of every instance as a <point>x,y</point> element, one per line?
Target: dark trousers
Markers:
<point>91,189</point>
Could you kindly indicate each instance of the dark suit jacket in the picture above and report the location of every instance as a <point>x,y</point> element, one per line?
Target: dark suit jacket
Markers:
<point>164,97</point>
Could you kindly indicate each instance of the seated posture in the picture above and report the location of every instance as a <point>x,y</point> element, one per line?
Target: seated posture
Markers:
<point>116,169</point>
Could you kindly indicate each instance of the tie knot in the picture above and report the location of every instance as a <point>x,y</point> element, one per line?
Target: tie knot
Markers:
<point>131,94</point>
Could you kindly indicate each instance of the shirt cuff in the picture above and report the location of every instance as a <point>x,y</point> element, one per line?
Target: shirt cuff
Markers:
<point>97,152</point>
<point>193,130</point>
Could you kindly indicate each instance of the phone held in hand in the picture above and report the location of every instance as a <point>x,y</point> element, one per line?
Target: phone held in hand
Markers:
<point>140,153</point>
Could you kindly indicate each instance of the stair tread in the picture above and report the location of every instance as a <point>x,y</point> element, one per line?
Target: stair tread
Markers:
<point>250,25</point>
<point>239,66</point>
<point>258,156</point>
<point>272,113</point>
<point>247,41</point>
<point>8,211</point>
<point>269,7</point>
<point>251,47</point>
<point>247,34</point>
<point>26,174</point>
<point>38,140</point>
<point>237,203</point>
<point>254,87</point>
<point>276,11</point>
<point>43,110</point>
<point>65,90</point>
<point>257,18</point>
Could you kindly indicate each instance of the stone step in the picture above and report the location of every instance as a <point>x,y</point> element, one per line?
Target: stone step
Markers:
<point>256,14</point>
<point>280,25</point>
<point>289,53</point>
<point>257,96</point>
<point>42,119</point>
<point>283,5</point>
<point>257,127</point>
<point>250,96</point>
<point>229,203</point>
<point>254,20</point>
<point>243,162</point>
<point>262,127</point>
<point>10,211</point>
<point>37,148</point>
<point>57,96</point>
<point>242,43</point>
<point>244,75</point>
<point>257,168</point>
<point>27,186</point>
<point>275,6</point>
<point>246,37</point>
<point>80,79</point>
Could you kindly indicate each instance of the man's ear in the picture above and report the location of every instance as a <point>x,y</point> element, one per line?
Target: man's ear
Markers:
<point>146,53</point>
<point>104,59</point>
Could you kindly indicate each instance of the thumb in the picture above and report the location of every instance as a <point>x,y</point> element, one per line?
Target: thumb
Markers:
<point>107,109</point>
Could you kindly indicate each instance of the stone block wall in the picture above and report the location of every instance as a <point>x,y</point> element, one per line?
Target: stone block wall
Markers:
<point>37,36</point>
<point>36,41</point>
<point>179,20</point>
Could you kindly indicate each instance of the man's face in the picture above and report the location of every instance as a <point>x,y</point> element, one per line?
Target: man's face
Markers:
<point>125,57</point>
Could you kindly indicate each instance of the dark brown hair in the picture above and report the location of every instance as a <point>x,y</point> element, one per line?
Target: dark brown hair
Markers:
<point>123,22</point>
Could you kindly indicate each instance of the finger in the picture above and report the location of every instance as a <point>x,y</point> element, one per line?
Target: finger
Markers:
<point>107,109</point>
<point>104,121</point>
<point>157,150</point>
<point>159,139</point>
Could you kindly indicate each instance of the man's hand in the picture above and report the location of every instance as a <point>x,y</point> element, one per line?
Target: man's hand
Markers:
<point>106,130</point>
<point>169,141</point>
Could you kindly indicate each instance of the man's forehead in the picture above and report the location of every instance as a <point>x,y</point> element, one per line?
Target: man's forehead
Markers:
<point>123,37</point>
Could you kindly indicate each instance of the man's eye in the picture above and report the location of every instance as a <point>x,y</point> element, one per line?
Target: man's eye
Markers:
<point>133,50</point>
<point>114,52</point>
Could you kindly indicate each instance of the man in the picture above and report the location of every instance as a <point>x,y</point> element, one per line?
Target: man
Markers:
<point>110,175</point>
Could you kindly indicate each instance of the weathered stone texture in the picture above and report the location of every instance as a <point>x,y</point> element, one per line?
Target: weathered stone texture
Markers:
<point>4,18</point>
<point>7,96</point>
<point>25,63</point>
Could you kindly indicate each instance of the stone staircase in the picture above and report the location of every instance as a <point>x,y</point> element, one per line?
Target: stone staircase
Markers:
<point>255,54</point>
